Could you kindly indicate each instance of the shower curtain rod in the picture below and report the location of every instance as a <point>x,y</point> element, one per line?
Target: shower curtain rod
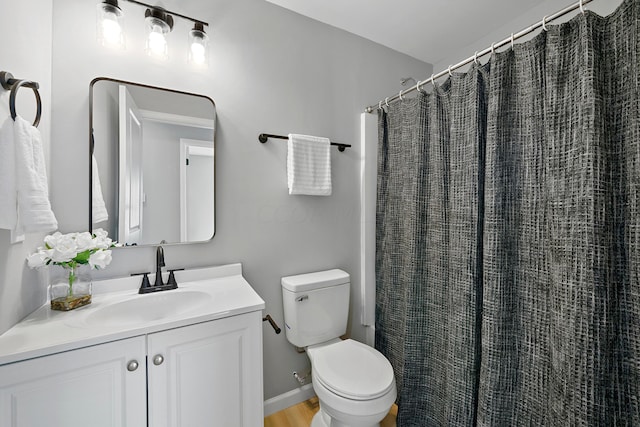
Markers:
<point>542,24</point>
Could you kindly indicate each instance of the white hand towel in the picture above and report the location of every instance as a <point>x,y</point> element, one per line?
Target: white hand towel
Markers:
<point>309,165</point>
<point>98,208</point>
<point>8,190</point>
<point>34,208</point>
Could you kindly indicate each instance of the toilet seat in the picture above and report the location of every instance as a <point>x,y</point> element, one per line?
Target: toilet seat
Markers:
<point>353,370</point>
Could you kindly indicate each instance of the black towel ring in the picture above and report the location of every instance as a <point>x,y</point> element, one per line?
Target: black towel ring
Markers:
<point>8,82</point>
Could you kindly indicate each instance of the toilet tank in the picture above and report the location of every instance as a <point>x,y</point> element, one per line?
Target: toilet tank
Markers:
<point>316,306</point>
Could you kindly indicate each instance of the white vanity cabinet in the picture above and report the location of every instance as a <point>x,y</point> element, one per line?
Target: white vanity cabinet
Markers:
<point>191,356</point>
<point>207,374</point>
<point>85,387</point>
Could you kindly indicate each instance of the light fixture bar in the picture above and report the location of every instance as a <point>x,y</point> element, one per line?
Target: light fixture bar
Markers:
<point>168,11</point>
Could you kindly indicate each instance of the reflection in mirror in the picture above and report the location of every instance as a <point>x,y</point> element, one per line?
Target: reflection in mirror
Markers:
<point>152,163</point>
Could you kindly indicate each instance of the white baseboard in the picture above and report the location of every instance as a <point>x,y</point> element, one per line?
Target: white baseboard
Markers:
<point>290,398</point>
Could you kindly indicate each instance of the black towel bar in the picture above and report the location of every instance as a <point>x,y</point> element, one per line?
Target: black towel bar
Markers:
<point>263,137</point>
<point>8,82</point>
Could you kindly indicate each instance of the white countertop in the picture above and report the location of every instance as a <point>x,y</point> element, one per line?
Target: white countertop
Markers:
<point>47,331</point>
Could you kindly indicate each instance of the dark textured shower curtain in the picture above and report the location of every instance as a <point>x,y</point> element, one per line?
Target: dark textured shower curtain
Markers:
<point>508,227</point>
<point>427,256</point>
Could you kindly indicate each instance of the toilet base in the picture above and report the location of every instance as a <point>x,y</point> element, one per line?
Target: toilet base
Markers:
<point>318,420</point>
<point>322,419</point>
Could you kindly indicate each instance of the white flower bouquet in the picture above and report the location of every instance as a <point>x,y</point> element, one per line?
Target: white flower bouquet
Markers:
<point>71,251</point>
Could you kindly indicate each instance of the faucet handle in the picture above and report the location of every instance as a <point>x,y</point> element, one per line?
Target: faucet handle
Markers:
<point>145,280</point>
<point>172,278</point>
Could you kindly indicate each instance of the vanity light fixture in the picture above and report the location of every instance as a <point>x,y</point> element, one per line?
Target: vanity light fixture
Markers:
<point>109,28</point>
<point>159,23</point>
<point>198,45</point>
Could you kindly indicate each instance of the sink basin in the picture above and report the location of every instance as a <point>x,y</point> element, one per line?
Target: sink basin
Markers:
<point>148,308</point>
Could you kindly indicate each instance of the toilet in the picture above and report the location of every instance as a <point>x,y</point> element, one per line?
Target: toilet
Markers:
<point>353,381</point>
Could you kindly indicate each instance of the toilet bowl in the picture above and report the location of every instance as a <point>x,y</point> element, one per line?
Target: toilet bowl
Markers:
<point>354,384</point>
<point>353,381</point>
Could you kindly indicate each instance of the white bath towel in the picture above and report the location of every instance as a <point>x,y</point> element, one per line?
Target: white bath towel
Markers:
<point>34,208</point>
<point>8,190</point>
<point>309,165</point>
<point>98,208</point>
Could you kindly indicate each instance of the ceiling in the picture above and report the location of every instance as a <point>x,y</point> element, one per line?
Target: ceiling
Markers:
<point>424,29</point>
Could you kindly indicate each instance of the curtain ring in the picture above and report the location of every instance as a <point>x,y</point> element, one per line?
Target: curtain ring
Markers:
<point>386,101</point>
<point>475,58</point>
<point>511,40</point>
<point>449,70</point>
<point>400,96</point>
<point>582,6</point>
<point>433,81</point>
<point>380,105</point>
<point>418,87</point>
<point>493,48</point>
<point>544,23</point>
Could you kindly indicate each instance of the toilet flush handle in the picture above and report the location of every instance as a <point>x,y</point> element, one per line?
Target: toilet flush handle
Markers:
<point>302,298</point>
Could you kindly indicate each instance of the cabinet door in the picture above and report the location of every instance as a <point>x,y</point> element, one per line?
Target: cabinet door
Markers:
<point>87,387</point>
<point>209,374</point>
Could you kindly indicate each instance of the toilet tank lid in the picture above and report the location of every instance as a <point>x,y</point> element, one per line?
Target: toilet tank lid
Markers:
<point>319,279</point>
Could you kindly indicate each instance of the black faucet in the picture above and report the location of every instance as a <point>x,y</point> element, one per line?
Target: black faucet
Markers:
<point>158,285</point>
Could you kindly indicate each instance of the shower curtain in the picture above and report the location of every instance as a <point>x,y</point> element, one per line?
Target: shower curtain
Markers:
<point>508,227</point>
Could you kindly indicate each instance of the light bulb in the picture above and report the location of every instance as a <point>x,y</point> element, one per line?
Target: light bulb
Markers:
<point>156,42</point>
<point>159,23</point>
<point>109,24</point>
<point>198,42</point>
<point>111,30</point>
<point>198,53</point>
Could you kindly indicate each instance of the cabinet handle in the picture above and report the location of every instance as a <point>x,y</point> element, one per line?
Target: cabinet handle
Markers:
<point>132,365</point>
<point>158,359</point>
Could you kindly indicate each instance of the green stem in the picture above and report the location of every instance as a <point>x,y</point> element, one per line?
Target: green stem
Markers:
<point>72,278</point>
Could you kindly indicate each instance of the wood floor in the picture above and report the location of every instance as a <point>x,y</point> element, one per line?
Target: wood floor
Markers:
<point>301,414</point>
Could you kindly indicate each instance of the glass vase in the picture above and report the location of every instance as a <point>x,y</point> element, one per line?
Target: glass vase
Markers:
<point>69,287</point>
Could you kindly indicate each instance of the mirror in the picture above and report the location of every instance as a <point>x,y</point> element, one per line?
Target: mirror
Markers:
<point>152,167</point>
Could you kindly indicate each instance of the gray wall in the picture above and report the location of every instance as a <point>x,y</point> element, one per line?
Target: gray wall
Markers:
<point>270,71</point>
<point>25,51</point>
